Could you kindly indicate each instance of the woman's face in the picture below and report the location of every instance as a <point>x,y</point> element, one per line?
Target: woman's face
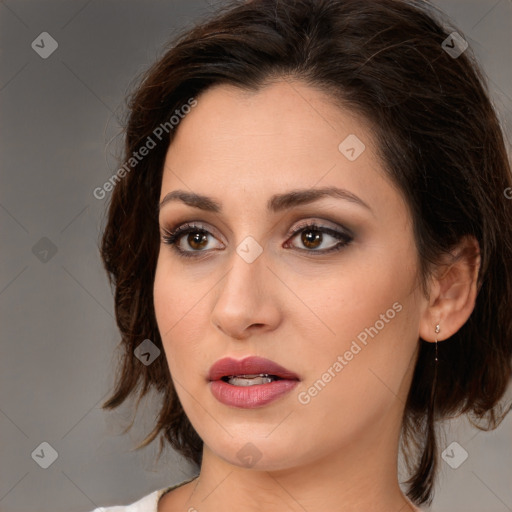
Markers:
<point>337,305</point>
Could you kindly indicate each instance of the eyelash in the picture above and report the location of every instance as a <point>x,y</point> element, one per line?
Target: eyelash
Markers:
<point>171,237</point>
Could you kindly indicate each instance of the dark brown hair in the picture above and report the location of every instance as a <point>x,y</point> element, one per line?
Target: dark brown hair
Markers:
<point>438,137</point>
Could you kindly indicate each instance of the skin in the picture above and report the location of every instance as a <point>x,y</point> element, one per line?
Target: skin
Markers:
<point>293,306</point>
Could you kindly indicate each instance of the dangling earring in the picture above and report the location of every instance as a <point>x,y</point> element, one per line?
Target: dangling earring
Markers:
<point>437,331</point>
<point>431,406</point>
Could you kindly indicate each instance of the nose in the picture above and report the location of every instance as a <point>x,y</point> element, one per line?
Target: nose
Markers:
<point>247,300</point>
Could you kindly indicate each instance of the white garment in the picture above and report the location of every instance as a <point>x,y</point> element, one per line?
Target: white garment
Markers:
<point>148,503</point>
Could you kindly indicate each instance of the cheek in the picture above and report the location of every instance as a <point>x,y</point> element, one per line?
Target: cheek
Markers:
<point>174,293</point>
<point>167,308</point>
<point>172,305</point>
<point>362,374</point>
<point>181,304</point>
<point>372,320</point>
<point>354,298</point>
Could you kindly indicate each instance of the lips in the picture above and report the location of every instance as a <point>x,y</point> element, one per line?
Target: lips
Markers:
<point>253,382</point>
<point>228,367</point>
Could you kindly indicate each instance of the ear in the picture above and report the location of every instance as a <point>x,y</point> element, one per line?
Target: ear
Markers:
<point>453,290</point>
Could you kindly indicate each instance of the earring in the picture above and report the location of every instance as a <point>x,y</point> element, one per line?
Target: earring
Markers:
<point>431,406</point>
<point>437,331</point>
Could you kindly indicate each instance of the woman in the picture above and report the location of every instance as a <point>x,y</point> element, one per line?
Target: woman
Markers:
<point>313,198</point>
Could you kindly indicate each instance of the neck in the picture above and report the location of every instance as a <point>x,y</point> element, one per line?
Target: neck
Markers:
<point>360,476</point>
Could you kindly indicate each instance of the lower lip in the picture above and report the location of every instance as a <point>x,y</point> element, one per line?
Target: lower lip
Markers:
<point>250,397</point>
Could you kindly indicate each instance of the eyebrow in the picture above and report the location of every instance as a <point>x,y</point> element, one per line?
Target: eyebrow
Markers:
<point>275,204</point>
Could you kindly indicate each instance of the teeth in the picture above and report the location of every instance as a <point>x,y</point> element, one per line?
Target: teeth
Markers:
<point>251,380</point>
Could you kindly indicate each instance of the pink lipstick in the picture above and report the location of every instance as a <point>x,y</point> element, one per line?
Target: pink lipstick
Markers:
<point>251,382</point>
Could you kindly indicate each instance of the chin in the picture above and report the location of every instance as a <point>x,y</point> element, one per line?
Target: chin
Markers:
<point>259,453</point>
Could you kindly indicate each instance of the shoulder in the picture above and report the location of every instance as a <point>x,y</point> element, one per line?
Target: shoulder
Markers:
<point>148,503</point>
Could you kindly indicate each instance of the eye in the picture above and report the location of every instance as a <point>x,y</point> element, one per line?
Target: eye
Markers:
<point>197,239</point>
<point>312,236</point>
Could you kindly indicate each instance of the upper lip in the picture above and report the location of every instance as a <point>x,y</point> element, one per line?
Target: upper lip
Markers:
<point>249,366</point>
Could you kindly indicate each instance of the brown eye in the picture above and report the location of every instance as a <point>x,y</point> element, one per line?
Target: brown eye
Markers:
<point>197,240</point>
<point>194,243</point>
<point>312,237</point>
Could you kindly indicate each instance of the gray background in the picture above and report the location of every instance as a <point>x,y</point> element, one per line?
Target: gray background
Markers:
<point>60,139</point>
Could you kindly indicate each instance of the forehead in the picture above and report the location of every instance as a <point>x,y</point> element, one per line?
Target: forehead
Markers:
<point>284,118</point>
<point>287,135</point>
